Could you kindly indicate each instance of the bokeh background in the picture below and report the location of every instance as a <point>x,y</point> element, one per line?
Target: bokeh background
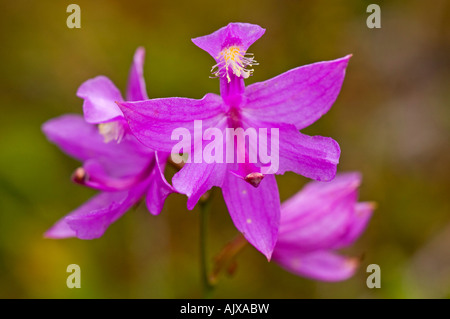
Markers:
<point>391,120</point>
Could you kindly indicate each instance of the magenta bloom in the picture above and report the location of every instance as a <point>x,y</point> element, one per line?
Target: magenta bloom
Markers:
<point>287,103</point>
<point>318,220</point>
<point>114,162</point>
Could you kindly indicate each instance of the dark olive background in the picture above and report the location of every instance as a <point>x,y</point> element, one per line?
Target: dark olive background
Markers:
<point>391,121</point>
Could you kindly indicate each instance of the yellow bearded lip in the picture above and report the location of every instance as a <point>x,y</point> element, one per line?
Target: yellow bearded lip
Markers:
<point>233,59</point>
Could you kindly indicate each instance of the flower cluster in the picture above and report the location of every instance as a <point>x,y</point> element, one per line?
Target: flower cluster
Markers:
<point>114,162</point>
<point>124,146</point>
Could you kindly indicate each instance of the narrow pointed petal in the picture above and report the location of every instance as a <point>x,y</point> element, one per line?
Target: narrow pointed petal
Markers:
<point>154,121</point>
<point>299,96</point>
<point>344,183</point>
<point>83,141</point>
<point>136,89</point>
<point>315,157</point>
<point>195,179</point>
<point>254,211</point>
<point>159,189</point>
<point>100,95</point>
<point>242,34</point>
<point>363,213</point>
<point>320,265</point>
<point>92,219</point>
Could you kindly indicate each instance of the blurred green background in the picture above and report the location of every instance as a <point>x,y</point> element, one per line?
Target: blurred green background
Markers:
<point>391,121</point>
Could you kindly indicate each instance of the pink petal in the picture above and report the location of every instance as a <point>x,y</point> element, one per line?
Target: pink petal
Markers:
<point>100,95</point>
<point>320,215</point>
<point>153,121</point>
<point>320,265</point>
<point>92,219</point>
<point>195,179</point>
<point>314,157</point>
<point>299,96</point>
<point>343,183</point>
<point>136,89</point>
<point>319,223</point>
<point>242,34</point>
<point>254,211</point>
<point>159,189</point>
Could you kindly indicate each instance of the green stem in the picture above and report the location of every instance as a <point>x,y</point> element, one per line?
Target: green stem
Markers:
<point>205,207</point>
